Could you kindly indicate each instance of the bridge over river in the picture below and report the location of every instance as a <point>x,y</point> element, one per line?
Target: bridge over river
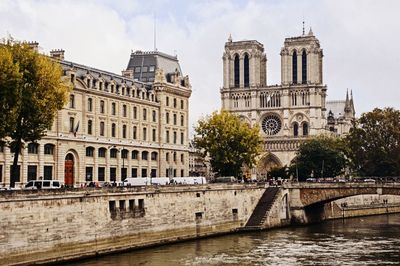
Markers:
<point>307,202</point>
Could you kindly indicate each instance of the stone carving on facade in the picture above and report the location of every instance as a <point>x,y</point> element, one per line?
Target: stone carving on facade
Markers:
<point>187,82</point>
<point>159,76</point>
<point>177,78</point>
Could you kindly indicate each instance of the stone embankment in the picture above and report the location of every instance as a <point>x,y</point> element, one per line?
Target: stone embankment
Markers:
<point>53,226</point>
<point>43,227</point>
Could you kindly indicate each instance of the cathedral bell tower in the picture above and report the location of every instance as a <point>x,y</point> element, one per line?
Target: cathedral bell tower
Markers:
<point>245,64</point>
<point>301,60</point>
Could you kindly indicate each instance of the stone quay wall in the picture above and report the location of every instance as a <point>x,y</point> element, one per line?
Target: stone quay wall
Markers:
<point>362,205</point>
<point>52,226</point>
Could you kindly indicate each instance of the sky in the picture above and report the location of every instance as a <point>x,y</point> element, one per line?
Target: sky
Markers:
<point>359,37</point>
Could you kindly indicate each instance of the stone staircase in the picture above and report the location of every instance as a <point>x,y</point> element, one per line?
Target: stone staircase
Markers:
<point>262,209</point>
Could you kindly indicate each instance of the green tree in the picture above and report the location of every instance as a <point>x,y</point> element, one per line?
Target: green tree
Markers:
<point>322,156</point>
<point>282,172</point>
<point>230,142</point>
<point>374,143</point>
<point>31,90</point>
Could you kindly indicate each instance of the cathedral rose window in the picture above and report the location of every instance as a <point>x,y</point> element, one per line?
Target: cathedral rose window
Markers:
<point>271,124</point>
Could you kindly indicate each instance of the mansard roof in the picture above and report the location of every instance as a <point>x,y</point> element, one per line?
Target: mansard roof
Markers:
<point>156,59</point>
<point>82,71</point>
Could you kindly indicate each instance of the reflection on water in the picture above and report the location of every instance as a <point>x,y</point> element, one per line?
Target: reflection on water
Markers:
<point>371,240</point>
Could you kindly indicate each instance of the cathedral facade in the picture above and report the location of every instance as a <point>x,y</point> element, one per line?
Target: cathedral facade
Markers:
<point>289,113</point>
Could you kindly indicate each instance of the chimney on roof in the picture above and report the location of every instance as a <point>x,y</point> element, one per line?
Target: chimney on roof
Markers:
<point>57,54</point>
<point>34,46</point>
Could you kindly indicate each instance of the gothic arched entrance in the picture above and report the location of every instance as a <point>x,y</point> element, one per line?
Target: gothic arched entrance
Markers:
<point>69,170</point>
<point>267,162</point>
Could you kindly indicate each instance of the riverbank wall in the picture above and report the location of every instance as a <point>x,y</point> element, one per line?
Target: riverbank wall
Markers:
<point>361,205</point>
<point>48,227</point>
<point>38,227</point>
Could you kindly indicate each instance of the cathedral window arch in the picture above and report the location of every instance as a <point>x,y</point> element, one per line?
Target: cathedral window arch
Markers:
<point>305,129</point>
<point>247,101</point>
<point>304,67</point>
<point>295,129</point>
<point>294,67</point>
<point>246,70</point>
<point>236,70</point>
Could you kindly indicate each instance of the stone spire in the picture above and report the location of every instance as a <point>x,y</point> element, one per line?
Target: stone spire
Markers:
<point>230,38</point>
<point>347,106</point>
<point>352,103</point>
<point>310,32</point>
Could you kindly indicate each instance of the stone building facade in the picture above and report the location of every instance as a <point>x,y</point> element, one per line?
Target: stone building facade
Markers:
<point>288,113</point>
<point>198,165</point>
<point>113,127</point>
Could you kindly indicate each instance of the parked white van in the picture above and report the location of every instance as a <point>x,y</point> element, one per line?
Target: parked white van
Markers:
<point>136,181</point>
<point>160,181</point>
<point>44,184</point>
<point>190,180</point>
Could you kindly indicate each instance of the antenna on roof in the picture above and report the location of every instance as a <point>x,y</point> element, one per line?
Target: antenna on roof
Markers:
<point>303,28</point>
<point>155,32</point>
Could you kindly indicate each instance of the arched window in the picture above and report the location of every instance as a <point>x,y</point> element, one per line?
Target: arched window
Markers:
<point>154,156</point>
<point>89,151</point>
<point>144,133</point>
<point>90,127</point>
<point>102,152</point>
<point>124,110</point>
<point>135,155</point>
<point>295,129</point>
<point>33,148</point>
<point>124,131</point>
<point>113,153</point>
<point>113,109</point>
<point>90,104</point>
<point>102,107</point>
<point>101,128</point>
<point>294,67</point>
<point>304,67</point>
<point>49,149</point>
<point>124,154</point>
<point>246,71</point>
<point>134,132</point>
<point>145,155</point>
<point>305,129</point>
<point>113,130</point>
<point>236,71</point>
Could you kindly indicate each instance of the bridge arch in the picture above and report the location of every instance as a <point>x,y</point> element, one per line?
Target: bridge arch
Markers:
<point>309,201</point>
<point>330,192</point>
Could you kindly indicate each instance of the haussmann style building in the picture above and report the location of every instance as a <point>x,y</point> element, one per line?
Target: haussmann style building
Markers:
<point>114,126</point>
<point>287,113</point>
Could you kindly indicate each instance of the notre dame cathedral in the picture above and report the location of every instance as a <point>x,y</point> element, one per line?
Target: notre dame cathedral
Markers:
<point>288,113</point>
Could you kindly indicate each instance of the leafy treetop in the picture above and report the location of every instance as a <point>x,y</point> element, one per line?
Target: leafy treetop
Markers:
<point>230,142</point>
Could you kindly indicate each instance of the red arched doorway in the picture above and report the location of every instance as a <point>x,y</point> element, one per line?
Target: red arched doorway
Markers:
<point>69,170</point>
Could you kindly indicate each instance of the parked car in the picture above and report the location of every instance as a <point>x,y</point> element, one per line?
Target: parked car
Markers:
<point>369,180</point>
<point>225,179</point>
<point>311,179</point>
<point>44,184</point>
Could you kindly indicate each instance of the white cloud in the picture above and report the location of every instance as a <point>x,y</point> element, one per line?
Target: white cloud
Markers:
<point>359,38</point>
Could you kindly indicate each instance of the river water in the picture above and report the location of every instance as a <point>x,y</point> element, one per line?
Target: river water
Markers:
<point>373,240</point>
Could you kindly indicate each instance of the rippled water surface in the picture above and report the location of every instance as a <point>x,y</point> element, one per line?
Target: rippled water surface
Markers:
<point>360,241</point>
